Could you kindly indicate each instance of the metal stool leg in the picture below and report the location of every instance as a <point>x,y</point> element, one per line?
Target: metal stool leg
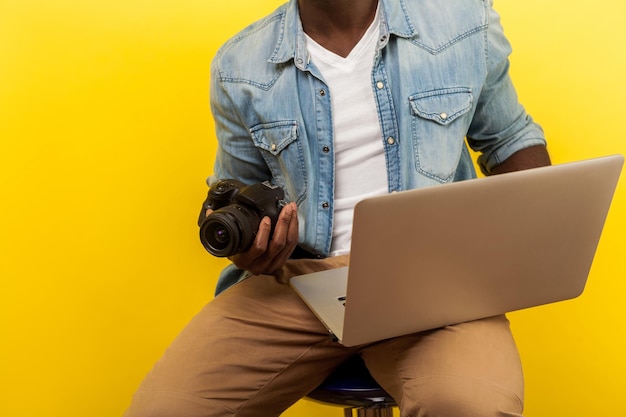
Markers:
<point>369,412</point>
<point>375,412</point>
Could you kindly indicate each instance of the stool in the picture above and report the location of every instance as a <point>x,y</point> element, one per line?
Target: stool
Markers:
<point>352,387</point>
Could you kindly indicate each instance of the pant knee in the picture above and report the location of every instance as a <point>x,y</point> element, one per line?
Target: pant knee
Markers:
<point>459,397</point>
<point>173,404</point>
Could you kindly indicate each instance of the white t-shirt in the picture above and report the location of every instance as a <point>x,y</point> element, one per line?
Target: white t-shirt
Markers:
<point>360,165</point>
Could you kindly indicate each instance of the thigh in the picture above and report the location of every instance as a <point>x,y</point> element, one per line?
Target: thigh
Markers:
<point>244,354</point>
<point>463,370</point>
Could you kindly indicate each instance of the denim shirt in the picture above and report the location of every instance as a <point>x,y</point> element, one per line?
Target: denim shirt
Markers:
<point>440,75</point>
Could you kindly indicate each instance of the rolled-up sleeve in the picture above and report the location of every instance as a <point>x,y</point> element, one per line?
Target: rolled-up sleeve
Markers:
<point>501,126</point>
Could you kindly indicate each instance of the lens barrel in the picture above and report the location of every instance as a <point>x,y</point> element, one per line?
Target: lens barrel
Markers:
<point>229,230</point>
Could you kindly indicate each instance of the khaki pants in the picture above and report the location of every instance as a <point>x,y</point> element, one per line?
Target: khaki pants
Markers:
<point>256,349</point>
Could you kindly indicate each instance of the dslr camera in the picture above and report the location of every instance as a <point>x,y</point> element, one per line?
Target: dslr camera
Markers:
<point>237,212</point>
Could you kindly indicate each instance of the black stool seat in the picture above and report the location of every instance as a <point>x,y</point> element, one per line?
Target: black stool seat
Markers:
<point>351,385</point>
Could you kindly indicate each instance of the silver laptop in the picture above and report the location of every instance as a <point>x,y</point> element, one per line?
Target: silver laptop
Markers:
<point>442,255</point>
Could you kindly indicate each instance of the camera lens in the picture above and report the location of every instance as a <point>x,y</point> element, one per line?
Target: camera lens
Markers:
<point>221,235</point>
<point>228,231</point>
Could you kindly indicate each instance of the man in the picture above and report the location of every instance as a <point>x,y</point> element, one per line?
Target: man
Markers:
<point>336,100</point>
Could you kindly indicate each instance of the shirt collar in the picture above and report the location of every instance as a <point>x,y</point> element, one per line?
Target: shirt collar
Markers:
<point>291,43</point>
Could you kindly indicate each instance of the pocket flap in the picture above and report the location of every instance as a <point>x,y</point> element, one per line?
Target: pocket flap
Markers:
<point>442,106</point>
<point>274,137</point>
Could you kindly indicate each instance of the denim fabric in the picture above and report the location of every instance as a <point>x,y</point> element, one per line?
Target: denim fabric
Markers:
<point>440,76</point>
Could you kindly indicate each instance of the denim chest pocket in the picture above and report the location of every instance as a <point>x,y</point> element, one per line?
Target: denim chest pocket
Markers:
<point>439,123</point>
<point>282,151</point>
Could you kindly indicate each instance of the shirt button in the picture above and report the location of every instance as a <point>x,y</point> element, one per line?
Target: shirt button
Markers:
<point>274,147</point>
<point>326,149</point>
<point>322,93</point>
<point>380,85</point>
<point>444,115</point>
<point>325,205</point>
<point>391,140</point>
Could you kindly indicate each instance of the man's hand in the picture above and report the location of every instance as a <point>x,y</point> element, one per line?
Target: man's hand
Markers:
<point>268,255</point>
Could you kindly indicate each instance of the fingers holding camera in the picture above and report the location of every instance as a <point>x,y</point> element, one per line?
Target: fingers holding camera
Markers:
<point>285,237</point>
<point>250,259</point>
<point>268,255</point>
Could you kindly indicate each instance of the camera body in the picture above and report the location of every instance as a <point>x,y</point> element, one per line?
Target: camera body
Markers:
<point>237,212</point>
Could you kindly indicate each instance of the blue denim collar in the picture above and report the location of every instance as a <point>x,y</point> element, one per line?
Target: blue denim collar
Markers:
<point>291,43</point>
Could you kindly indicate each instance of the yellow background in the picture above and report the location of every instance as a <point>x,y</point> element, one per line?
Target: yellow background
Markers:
<point>105,141</point>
